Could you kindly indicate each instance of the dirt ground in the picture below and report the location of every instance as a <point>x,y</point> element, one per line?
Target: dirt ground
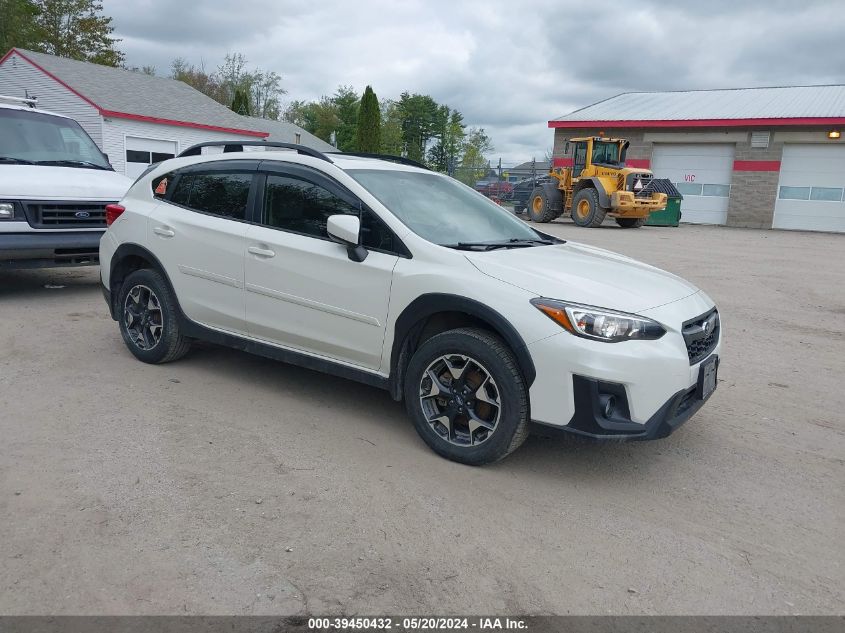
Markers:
<point>230,484</point>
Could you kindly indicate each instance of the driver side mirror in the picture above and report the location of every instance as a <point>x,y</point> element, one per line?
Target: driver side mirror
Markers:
<point>346,230</point>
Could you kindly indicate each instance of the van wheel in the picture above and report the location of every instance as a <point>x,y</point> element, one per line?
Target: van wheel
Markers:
<point>147,315</point>
<point>631,223</point>
<point>586,210</point>
<point>466,396</point>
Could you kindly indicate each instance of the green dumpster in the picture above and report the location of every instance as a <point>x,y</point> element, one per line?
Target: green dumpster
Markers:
<point>671,215</point>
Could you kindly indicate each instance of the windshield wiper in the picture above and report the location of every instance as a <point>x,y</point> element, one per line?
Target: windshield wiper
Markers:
<point>16,161</point>
<point>72,163</point>
<point>514,242</point>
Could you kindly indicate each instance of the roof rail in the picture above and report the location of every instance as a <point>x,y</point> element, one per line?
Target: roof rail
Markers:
<point>393,159</point>
<point>28,101</point>
<point>238,146</point>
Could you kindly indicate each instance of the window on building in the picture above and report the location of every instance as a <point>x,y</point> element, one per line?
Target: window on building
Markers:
<point>137,156</point>
<point>829,194</point>
<point>794,193</point>
<point>222,194</point>
<point>688,188</point>
<point>298,138</point>
<point>718,191</point>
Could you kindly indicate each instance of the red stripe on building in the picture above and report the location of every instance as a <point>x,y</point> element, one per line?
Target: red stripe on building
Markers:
<point>644,163</point>
<point>562,162</point>
<point>756,165</point>
<point>701,123</point>
<point>135,117</point>
<point>199,126</point>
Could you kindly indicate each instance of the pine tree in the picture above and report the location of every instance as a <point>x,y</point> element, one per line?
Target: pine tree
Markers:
<point>369,123</point>
<point>240,103</point>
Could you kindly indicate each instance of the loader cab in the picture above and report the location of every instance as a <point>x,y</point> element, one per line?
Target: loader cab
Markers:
<point>597,150</point>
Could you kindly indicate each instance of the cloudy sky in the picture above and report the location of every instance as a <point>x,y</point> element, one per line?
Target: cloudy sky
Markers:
<point>508,66</point>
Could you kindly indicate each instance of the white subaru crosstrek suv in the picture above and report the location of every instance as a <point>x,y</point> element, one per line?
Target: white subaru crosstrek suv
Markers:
<point>384,272</point>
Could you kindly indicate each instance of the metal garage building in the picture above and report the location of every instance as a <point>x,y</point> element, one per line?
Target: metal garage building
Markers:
<point>751,157</point>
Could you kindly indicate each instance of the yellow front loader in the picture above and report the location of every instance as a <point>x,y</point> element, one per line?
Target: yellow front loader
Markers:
<point>597,185</point>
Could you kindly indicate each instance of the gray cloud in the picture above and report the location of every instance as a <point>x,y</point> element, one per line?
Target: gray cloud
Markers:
<point>508,66</point>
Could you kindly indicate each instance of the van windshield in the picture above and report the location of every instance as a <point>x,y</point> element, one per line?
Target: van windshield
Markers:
<point>446,212</point>
<point>43,139</point>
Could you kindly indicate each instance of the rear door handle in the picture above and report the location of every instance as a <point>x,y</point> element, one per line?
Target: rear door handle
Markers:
<point>163,231</point>
<point>261,252</point>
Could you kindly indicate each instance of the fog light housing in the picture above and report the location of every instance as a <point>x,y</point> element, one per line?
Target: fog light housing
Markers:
<point>7,210</point>
<point>607,403</point>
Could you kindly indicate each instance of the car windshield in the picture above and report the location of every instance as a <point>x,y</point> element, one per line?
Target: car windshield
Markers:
<point>38,138</point>
<point>607,153</point>
<point>443,210</point>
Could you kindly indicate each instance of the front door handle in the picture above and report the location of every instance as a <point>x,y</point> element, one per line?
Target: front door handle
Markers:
<point>261,252</point>
<point>163,231</point>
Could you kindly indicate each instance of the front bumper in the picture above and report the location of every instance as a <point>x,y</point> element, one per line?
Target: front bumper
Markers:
<point>49,249</point>
<point>590,421</point>
<point>625,204</point>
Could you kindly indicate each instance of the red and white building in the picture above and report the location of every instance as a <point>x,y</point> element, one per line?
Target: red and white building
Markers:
<point>136,119</point>
<point>752,157</point>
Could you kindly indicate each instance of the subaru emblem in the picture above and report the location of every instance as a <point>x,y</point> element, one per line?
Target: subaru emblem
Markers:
<point>82,215</point>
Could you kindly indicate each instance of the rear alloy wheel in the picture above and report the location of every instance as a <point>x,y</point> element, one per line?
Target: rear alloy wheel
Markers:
<point>631,223</point>
<point>586,210</point>
<point>148,318</point>
<point>467,397</point>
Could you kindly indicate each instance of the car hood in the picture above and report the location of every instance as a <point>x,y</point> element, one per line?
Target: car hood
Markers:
<point>47,182</point>
<point>583,274</point>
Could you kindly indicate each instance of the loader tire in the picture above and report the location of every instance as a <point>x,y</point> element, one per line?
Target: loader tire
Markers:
<point>631,223</point>
<point>545,203</point>
<point>586,210</point>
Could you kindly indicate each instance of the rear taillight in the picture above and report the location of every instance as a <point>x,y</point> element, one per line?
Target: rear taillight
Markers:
<point>113,212</point>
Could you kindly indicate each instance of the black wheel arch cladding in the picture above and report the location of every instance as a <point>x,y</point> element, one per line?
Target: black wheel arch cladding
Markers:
<point>425,306</point>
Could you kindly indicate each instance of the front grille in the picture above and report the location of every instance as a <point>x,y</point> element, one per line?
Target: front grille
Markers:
<point>48,215</point>
<point>644,180</point>
<point>701,335</point>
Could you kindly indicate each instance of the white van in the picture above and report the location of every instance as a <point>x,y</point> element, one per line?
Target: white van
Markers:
<point>55,184</point>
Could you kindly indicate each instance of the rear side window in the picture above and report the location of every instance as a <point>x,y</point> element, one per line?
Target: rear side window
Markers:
<point>219,193</point>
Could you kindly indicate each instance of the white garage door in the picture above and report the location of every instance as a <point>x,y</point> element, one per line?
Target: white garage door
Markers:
<point>702,173</point>
<point>810,191</point>
<point>142,152</point>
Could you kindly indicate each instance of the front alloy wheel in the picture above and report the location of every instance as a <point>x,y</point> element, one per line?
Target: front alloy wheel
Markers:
<point>466,396</point>
<point>460,400</point>
<point>142,317</point>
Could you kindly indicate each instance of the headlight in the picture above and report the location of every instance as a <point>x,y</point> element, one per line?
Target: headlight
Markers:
<point>598,323</point>
<point>7,210</point>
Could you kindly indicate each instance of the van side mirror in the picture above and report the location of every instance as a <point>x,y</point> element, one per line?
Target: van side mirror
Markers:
<point>346,230</point>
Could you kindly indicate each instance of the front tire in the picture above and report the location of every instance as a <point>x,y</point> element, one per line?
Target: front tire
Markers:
<point>148,318</point>
<point>586,210</point>
<point>467,397</point>
<point>631,223</point>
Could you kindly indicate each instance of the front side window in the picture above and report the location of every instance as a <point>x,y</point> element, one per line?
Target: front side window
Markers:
<point>300,206</point>
<point>441,209</point>
<point>605,153</point>
<point>44,139</point>
<point>219,193</point>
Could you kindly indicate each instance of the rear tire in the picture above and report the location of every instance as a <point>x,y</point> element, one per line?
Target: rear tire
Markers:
<point>631,223</point>
<point>466,396</point>
<point>586,210</point>
<point>149,319</point>
<point>545,203</point>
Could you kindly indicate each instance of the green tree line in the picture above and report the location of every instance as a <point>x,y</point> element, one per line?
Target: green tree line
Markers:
<point>412,125</point>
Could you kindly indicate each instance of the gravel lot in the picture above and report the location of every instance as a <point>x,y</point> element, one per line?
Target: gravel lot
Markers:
<point>231,484</point>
